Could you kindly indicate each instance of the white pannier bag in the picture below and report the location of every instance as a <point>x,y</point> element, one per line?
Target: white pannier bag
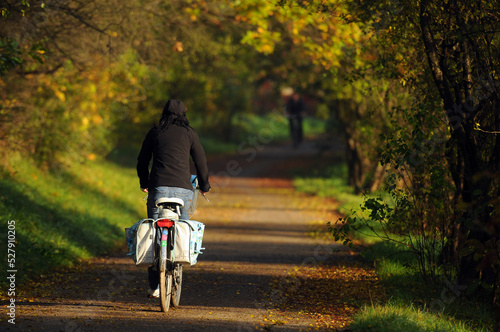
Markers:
<point>140,242</point>
<point>188,239</point>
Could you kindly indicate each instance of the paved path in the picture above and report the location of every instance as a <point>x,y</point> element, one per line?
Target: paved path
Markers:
<point>256,232</point>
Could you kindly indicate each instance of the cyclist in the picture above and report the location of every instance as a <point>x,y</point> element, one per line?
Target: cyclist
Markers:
<point>170,143</point>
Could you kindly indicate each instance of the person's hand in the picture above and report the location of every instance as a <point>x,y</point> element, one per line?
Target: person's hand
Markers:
<point>204,196</point>
<point>144,190</point>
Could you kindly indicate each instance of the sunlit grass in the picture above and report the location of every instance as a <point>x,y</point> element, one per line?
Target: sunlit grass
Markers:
<point>396,317</point>
<point>330,181</point>
<point>273,127</point>
<point>71,212</point>
<point>440,301</point>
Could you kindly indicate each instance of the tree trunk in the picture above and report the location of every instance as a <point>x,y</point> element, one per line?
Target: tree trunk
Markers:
<point>465,150</point>
<point>354,164</point>
<point>347,116</point>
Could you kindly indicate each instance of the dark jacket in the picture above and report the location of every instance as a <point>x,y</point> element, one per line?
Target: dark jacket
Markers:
<point>295,107</point>
<point>170,151</point>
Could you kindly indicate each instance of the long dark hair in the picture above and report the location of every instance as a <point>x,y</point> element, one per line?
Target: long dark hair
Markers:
<point>174,112</point>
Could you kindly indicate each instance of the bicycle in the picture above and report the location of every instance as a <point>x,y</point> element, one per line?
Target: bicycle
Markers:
<point>170,271</point>
<point>166,243</point>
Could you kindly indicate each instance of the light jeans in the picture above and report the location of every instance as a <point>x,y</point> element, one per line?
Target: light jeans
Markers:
<point>158,192</point>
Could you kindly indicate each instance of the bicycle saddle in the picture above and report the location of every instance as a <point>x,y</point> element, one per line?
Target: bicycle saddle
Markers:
<point>169,200</point>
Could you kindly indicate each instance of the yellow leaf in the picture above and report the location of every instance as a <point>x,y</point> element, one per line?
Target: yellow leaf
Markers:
<point>97,119</point>
<point>60,95</point>
<point>178,46</point>
<point>266,49</point>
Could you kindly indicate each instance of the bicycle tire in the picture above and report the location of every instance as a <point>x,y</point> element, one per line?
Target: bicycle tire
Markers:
<point>166,280</point>
<point>177,285</point>
<point>165,290</point>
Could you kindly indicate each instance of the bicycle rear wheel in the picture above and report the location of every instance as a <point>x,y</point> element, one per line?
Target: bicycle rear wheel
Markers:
<point>165,290</point>
<point>165,274</point>
<point>177,285</point>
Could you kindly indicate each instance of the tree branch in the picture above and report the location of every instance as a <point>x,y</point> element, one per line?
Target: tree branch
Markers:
<point>432,56</point>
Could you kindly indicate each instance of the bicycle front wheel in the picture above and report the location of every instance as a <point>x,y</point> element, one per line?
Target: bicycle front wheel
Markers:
<point>165,290</point>
<point>177,285</point>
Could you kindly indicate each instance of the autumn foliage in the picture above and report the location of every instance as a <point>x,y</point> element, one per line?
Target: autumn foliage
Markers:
<point>411,87</point>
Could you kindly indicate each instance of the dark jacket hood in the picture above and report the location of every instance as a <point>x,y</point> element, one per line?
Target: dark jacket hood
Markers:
<point>176,107</point>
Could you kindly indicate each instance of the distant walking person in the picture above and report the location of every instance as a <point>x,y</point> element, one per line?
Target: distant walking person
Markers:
<point>294,110</point>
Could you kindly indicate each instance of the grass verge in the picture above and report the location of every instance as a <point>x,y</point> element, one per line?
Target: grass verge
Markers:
<point>65,215</point>
<point>330,181</point>
<point>396,316</point>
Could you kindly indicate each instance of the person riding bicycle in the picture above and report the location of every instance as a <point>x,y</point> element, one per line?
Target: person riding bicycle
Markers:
<point>169,144</point>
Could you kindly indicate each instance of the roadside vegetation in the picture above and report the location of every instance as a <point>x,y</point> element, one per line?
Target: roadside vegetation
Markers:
<point>66,215</point>
<point>408,303</point>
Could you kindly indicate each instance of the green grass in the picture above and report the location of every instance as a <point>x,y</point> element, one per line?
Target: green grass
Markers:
<point>273,127</point>
<point>411,305</point>
<point>398,316</point>
<point>215,147</point>
<point>409,295</point>
<point>330,182</point>
<point>73,212</point>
